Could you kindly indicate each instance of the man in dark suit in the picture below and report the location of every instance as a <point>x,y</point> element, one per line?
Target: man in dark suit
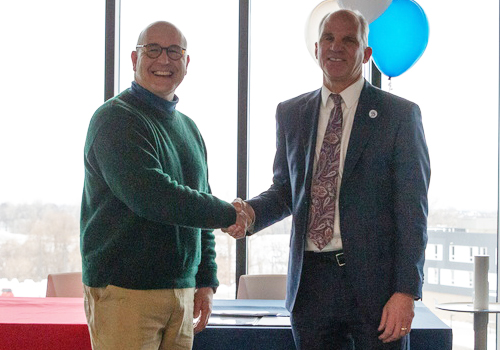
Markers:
<point>359,205</point>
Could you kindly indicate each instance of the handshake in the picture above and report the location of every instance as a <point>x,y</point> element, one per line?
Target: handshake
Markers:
<point>245,218</point>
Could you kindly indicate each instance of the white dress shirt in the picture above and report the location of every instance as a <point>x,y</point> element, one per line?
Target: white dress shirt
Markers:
<point>350,98</point>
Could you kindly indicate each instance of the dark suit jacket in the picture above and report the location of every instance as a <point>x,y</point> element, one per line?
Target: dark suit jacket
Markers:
<point>383,194</point>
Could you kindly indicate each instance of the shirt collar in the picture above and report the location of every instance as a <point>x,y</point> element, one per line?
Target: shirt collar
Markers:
<point>153,100</point>
<point>350,95</point>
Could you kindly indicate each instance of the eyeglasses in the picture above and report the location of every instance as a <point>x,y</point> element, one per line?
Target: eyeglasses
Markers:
<point>174,52</point>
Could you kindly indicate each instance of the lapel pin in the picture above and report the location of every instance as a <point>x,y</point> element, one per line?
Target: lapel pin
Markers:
<point>373,114</point>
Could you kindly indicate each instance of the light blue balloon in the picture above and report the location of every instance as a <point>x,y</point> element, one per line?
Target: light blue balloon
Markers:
<point>399,37</point>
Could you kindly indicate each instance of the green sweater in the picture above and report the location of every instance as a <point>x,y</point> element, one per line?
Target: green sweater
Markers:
<point>147,213</point>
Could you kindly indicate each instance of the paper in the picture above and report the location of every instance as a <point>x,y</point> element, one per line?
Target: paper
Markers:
<point>256,311</point>
<point>274,321</point>
<point>215,320</point>
<point>481,286</point>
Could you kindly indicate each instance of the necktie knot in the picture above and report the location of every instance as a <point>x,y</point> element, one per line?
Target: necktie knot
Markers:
<point>337,99</point>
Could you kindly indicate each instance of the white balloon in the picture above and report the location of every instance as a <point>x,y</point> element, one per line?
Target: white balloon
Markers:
<point>312,23</point>
<point>370,9</point>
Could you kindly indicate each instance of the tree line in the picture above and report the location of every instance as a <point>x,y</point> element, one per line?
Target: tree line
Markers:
<point>49,240</point>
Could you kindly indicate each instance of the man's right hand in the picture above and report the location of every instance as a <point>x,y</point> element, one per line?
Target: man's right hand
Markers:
<point>245,217</point>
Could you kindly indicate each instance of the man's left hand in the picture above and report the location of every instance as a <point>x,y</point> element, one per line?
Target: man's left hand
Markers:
<point>202,307</point>
<point>397,316</point>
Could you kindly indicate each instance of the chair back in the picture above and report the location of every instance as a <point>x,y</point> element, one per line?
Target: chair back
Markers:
<point>272,287</point>
<point>67,284</point>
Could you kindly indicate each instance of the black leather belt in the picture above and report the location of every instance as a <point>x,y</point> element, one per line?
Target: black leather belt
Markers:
<point>336,256</point>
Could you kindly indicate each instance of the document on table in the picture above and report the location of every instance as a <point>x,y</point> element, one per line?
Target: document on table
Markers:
<point>216,320</point>
<point>274,322</point>
<point>249,313</point>
<point>257,311</point>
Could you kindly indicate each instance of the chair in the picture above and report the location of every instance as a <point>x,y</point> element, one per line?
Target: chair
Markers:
<point>67,284</point>
<point>272,287</point>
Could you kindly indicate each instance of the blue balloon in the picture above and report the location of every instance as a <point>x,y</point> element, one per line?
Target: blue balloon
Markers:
<point>399,37</point>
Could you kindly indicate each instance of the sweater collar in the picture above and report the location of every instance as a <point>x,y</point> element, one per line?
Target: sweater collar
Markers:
<point>153,100</point>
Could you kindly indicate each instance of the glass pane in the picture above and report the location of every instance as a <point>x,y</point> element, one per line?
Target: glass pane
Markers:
<point>459,102</point>
<point>42,133</point>
<point>281,68</point>
<point>208,94</point>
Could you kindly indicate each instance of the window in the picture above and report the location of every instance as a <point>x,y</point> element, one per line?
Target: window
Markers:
<point>52,84</point>
<point>281,68</point>
<point>463,149</point>
<point>434,252</point>
<point>433,275</point>
<point>456,278</point>
<point>459,253</point>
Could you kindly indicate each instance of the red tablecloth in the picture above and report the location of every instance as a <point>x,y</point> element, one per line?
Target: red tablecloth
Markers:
<point>59,324</point>
<point>43,324</point>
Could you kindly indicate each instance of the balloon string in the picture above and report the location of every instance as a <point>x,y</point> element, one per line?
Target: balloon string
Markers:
<point>390,84</point>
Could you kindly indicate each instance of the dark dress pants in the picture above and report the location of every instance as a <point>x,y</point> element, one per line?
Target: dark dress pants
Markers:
<point>326,315</point>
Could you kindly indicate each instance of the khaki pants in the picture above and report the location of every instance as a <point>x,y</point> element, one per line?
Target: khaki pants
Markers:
<point>120,318</point>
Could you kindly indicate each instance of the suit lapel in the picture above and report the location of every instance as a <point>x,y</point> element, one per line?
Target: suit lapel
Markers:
<point>362,127</point>
<point>309,130</point>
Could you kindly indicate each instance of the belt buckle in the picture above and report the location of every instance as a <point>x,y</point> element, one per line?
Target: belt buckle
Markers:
<point>340,259</point>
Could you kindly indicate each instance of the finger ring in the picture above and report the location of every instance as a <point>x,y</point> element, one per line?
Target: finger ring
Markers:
<point>404,329</point>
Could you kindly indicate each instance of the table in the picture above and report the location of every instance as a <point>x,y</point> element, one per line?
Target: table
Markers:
<point>480,319</point>
<point>274,332</point>
<point>43,324</point>
<point>59,323</point>
<point>246,324</point>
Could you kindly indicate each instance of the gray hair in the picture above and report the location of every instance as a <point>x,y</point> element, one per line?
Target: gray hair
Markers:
<point>363,25</point>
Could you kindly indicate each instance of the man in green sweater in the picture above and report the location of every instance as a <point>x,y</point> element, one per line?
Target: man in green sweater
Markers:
<point>147,216</point>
